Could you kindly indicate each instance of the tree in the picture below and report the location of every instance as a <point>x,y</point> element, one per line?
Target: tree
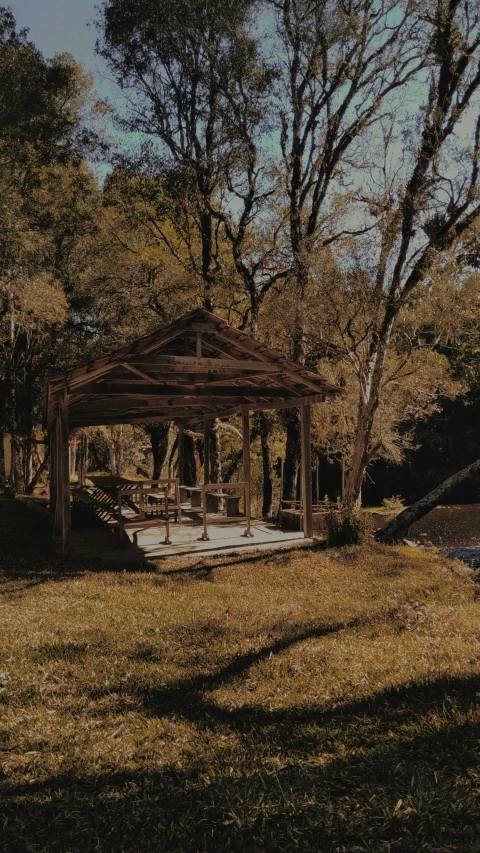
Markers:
<point>424,211</point>
<point>199,88</point>
<point>180,62</point>
<point>340,61</point>
<point>45,191</point>
<point>397,184</point>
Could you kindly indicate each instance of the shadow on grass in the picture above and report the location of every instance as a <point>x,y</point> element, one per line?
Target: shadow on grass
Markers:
<point>396,772</point>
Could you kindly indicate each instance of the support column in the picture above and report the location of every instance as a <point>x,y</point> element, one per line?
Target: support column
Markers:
<point>246,467</point>
<point>181,453</point>
<point>82,467</point>
<point>62,509</point>
<point>206,450</point>
<point>306,471</point>
<point>52,476</point>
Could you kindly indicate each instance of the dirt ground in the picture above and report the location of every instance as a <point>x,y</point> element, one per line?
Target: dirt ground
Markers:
<point>449,526</point>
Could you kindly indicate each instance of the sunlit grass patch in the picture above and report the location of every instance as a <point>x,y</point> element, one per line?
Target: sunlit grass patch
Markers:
<point>315,700</point>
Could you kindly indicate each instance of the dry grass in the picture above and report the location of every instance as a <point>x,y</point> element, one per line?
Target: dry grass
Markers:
<point>310,701</point>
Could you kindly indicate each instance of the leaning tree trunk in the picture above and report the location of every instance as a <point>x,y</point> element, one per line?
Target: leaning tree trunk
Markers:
<point>398,527</point>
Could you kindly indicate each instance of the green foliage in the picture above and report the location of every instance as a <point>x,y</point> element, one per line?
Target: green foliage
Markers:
<point>348,525</point>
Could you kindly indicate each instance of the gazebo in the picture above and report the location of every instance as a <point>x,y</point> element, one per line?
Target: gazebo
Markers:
<point>193,370</point>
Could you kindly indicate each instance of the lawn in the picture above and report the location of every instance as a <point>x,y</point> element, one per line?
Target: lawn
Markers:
<point>316,700</point>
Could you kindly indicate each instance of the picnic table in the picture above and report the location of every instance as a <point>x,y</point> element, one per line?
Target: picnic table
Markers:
<point>212,500</point>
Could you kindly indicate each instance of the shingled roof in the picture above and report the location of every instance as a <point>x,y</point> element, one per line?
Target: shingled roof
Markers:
<point>195,368</point>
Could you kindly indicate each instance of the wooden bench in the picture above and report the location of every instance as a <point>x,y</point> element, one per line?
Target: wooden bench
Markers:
<point>213,500</point>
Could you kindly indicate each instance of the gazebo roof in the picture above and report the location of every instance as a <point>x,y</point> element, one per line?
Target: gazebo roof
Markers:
<point>195,368</point>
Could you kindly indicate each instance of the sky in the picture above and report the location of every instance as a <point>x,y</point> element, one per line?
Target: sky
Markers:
<point>58,26</point>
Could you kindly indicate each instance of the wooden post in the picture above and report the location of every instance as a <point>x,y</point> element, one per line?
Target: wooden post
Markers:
<point>53,459</point>
<point>167,540</point>
<point>206,450</point>
<point>204,537</point>
<point>306,471</point>
<point>64,478</point>
<point>318,479</point>
<point>181,453</point>
<point>246,468</point>
<point>82,469</point>
<point>199,345</point>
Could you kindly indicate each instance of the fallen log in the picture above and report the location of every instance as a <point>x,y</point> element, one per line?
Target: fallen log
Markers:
<point>397,529</point>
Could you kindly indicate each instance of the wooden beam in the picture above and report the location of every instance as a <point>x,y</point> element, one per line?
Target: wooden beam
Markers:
<point>185,413</point>
<point>282,365</point>
<point>207,364</point>
<point>306,471</point>
<point>138,372</point>
<point>121,388</point>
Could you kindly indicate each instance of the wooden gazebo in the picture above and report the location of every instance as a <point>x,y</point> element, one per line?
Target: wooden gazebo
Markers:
<point>195,369</point>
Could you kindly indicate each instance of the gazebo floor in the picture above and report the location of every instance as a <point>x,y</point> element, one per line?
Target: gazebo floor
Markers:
<point>185,538</point>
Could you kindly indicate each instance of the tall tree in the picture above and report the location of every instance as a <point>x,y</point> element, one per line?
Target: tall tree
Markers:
<point>338,61</point>
<point>427,206</point>
<point>177,62</point>
<point>44,192</point>
<point>197,87</point>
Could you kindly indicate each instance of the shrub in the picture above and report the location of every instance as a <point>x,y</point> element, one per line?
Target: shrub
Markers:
<point>394,504</point>
<point>348,526</point>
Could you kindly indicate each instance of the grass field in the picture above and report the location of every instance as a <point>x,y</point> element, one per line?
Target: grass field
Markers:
<point>306,701</point>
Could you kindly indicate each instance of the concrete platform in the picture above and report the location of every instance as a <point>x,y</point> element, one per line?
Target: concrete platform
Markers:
<point>147,544</point>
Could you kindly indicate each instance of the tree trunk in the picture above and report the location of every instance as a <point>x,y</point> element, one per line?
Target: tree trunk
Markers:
<point>398,527</point>
<point>267,465</point>
<point>38,473</point>
<point>215,453</point>
<point>16,473</point>
<point>353,486</point>
<point>191,463</point>
<point>371,383</point>
<point>119,452</point>
<point>3,476</point>
<point>158,434</point>
<point>292,456</point>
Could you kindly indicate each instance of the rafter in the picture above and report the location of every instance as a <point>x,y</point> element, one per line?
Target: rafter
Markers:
<point>151,379</point>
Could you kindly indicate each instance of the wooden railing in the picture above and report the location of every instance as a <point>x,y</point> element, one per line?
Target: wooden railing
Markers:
<point>146,501</point>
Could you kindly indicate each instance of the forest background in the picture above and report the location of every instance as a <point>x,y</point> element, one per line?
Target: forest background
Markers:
<point>309,169</point>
